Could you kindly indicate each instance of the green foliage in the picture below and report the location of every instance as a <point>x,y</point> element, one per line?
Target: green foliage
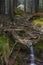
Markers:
<point>4,48</point>
<point>38,48</point>
<point>3,43</point>
<point>18,11</point>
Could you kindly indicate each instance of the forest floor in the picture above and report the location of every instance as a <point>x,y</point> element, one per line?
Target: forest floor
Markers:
<point>20,55</point>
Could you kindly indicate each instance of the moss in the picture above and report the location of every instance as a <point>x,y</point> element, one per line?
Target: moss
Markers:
<point>38,22</point>
<point>18,11</point>
<point>3,42</point>
<point>38,48</point>
<point>4,48</point>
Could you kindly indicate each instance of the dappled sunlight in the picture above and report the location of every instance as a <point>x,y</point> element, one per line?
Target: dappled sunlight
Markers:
<point>38,22</point>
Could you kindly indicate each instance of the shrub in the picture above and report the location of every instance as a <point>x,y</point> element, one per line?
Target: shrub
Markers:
<point>18,11</point>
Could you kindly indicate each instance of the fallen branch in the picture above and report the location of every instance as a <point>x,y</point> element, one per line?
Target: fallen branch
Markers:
<point>17,37</point>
